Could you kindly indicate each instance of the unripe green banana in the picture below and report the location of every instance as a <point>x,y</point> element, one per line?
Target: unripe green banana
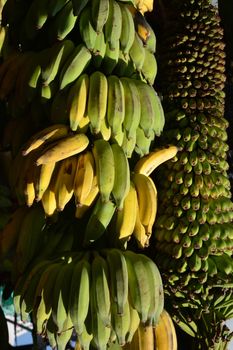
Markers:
<point>100,12</point>
<point>79,294</point>
<point>87,32</point>
<point>98,221</point>
<point>149,67</point>
<point>122,176</point>
<point>113,26</point>
<point>127,35</point>
<point>121,322</point>
<point>62,24</point>
<point>116,104</point>
<point>74,65</point>
<point>132,106</point>
<point>137,52</point>
<point>97,100</point>
<point>100,289</point>
<point>54,59</point>
<point>118,278</point>
<point>105,168</point>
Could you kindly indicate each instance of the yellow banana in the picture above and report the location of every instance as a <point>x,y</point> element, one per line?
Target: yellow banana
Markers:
<point>146,337</point>
<point>48,134</point>
<point>88,201</point>
<point>77,101</point>
<point>43,178</point>
<point>63,148</point>
<point>84,175</point>
<point>126,217</point>
<point>165,333</point>
<point>64,185</point>
<point>139,231</point>
<point>147,164</point>
<point>147,200</point>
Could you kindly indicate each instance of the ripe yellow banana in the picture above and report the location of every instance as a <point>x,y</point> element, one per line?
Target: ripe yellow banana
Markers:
<point>165,333</point>
<point>51,133</point>
<point>84,175</point>
<point>64,184</point>
<point>147,200</point>
<point>88,201</point>
<point>126,217</point>
<point>43,177</point>
<point>147,164</point>
<point>63,148</point>
<point>77,101</point>
<point>139,231</point>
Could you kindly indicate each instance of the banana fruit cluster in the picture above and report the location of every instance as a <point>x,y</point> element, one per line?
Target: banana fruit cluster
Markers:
<point>102,295</point>
<point>55,166</point>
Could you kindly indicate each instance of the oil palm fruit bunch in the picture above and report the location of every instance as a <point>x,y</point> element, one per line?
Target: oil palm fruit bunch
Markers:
<point>161,337</point>
<point>192,233</point>
<point>102,295</point>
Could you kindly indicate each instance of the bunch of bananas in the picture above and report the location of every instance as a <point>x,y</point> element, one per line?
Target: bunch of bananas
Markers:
<point>81,117</point>
<point>102,295</point>
<point>193,230</point>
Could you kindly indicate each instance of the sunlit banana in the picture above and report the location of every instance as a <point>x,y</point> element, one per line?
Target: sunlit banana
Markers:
<point>116,104</point>
<point>105,168</point>
<point>84,175</point>
<point>147,164</point>
<point>118,278</point>
<point>63,148</point>
<point>77,101</point>
<point>97,100</point>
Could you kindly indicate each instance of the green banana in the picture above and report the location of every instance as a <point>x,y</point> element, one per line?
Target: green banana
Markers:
<point>137,52</point>
<point>116,104</point>
<point>79,294</point>
<point>30,235</point>
<point>122,177</point>
<point>105,168</point>
<point>87,32</point>
<point>100,289</point>
<point>149,67</point>
<point>62,24</point>
<point>121,322</point>
<point>100,12</point>
<point>127,35</point>
<point>36,17</point>
<point>74,65</point>
<point>54,59</point>
<point>78,6</point>
<point>54,6</point>
<point>99,220</point>
<point>113,25</point>
<point>132,106</point>
<point>97,100</point>
<point>139,285</point>
<point>99,50</point>
<point>118,278</point>
<point>110,58</point>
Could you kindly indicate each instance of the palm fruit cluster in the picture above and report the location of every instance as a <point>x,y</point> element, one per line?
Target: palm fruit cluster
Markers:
<point>80,124</point>
<point>193,230</point>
